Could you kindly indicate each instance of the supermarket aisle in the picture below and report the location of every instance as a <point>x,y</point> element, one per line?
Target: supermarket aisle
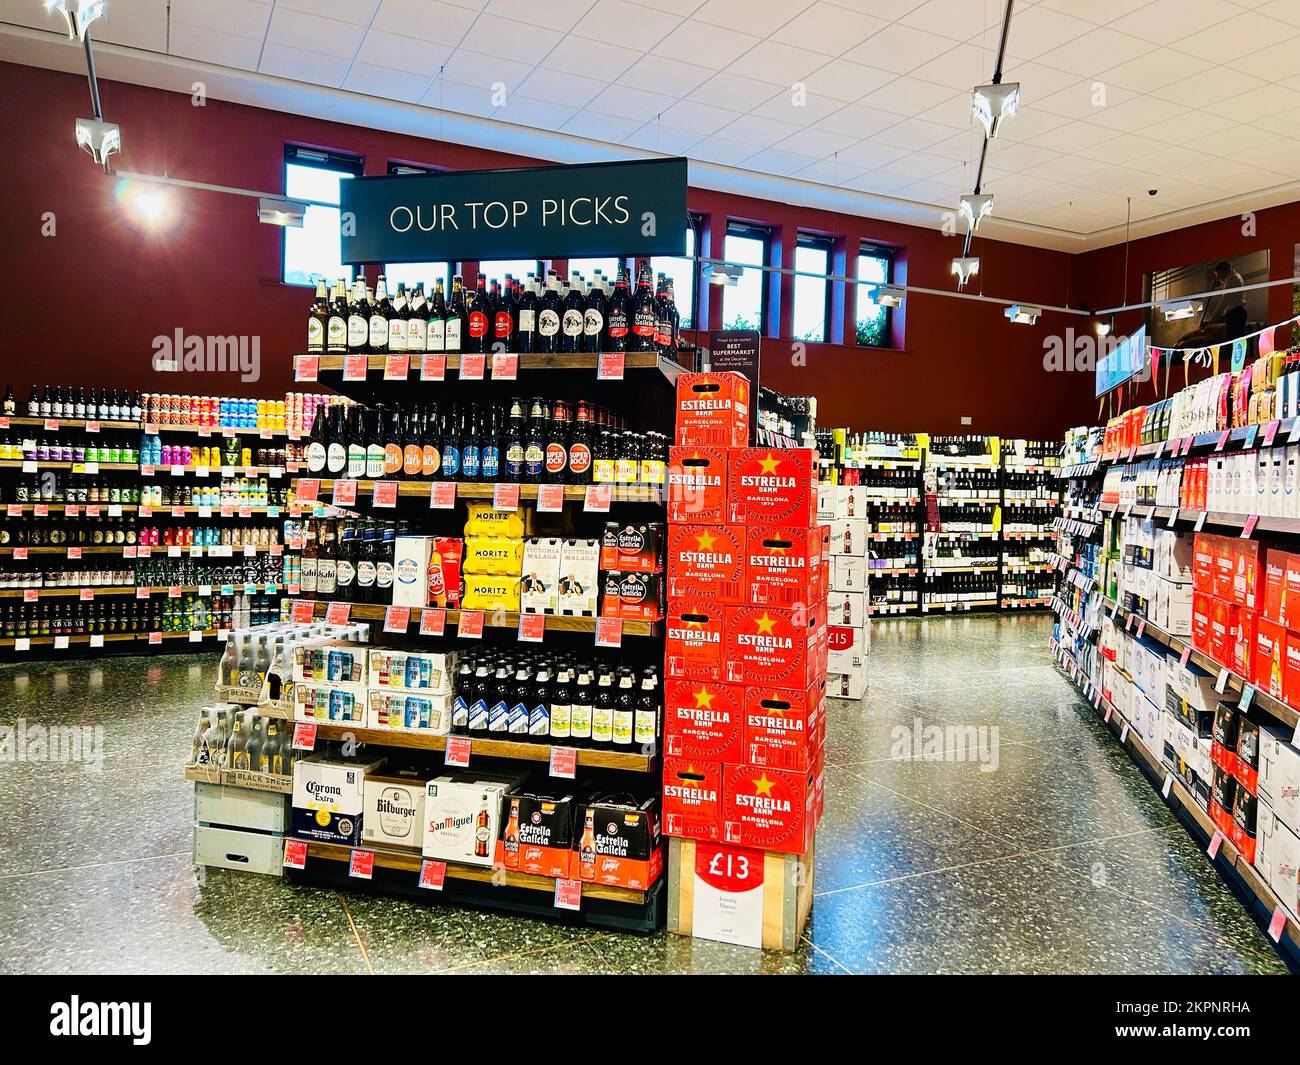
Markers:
<point>1042,850</point>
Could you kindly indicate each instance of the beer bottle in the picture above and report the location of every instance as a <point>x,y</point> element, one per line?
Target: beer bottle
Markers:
<point>375,445</point>
<point>618,314</point>
<point>587,846</point>
<point>317,443</point>
<point>317,325</point>
<point>412,447</point>
<point>451,452</point>
<point>471,456</point>
<point>499,705</point>
<point>602,458</point>
<point>674,318</point>
<point>578,466</point>
<point>394,442</point>
<point>455,328</point>
<point>581,710</point>
<point>572,317</point>
<point>561,706</point>
<point>510,841</point>
<point>384,566</point>
<point>526,317</point>
<point>654,459</point>
<point>435,323</point>
<point>356,443</point>
<point>539,708</point>
<point>535,442</point>
<point>490,459</point>
<point>548,318</point>
<point>336,448</point>
<point>514,442</point>
<point>345,566</point>
<point>643,311</point>
<point>645,726</point>
<point>521,702</point>
<point>480,319</point>
<point>365,578</point>
<point>625,704</point>
<point>503,316</point>
<point>557,444</point>
<point>627,463</point>
<point>602,711</point>
<point>327,564</point>
<point>482,829</point>
<point>417,321</point>
<point>237,751</point>
<point>431,446</point>
<point>358,318</point>
<point>272,750</point>
<point>380,310</point>
<point>477,720</point>
<point>336,324</point>
<point>399,317</point>
<point>663,327</point>
<point>593,322</point>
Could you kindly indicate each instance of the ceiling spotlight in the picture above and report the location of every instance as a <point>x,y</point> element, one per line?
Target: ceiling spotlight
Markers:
<point>146,203</point>
<point>965,267</point>
<point>1021,314</point>
<point>277,212</point>
<point>888,295</point>
<point>78,14</point>
<point>1181,309</point>
<point>975,207</point>
<point>1104,326</point>
<point>100,139</point>
<point>722,274</point>
<point>993,103</point>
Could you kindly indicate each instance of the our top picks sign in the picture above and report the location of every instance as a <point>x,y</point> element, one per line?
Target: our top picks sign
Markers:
<point>626,208</point>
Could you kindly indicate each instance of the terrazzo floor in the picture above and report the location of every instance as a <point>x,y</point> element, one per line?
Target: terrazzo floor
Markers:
<point>1061,859</point>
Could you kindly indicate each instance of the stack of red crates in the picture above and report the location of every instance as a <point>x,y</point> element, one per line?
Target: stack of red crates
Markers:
<point>748,577</point>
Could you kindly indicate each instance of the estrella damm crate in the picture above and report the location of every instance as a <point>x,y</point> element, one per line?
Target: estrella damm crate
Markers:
<point>772,486</point>
<point>704,719</point>
<point>772,809</point>
<point>783,727</point>
<point>697,484</point>
<point>693,798</point>
<point>707,561</point>
<point>783,566</point>
<point>713,408</point>
<point>777,646</point>
<point>694,645</point>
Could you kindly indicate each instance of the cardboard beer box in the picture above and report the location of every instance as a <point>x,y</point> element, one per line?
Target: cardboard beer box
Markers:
<point>405,711</point>
<point>694,646</point>
<point>633,547</point>
<point>330,704</point>
<point>619,843</point>
<point>394,809</point>
<point>1279,774</point>
<point>1245,823</point>
<point>704,720</point>
<point>485,520</point>
<point>579,583</point>
<point>330,663</point>
<point>411,570</point>
<point>1277,856</point>
<point>782,727</point>
<point>444,571</point>
<point>1269,658</point>
<point>848,536</point>
<point>501,556</point>
<point>775,646</point>
<point>428,672</point>
<point>846,685</point>
<point>713,409</point>
<point>462,817</point>
<point>848,573</point>
<point>633,596</point>
<point>783,566</point>
<point>328,799</point>
<point>848,609</point>
<point>707,561</point>
<point>539,583</point>
<point>542,829</point>
<point>772,809</point>
<point>693,798</point>
<point>485,591</point>
<point>1246,769</point>
<point>772,486</point>
<point>697,485</point>
<point>847,647</point>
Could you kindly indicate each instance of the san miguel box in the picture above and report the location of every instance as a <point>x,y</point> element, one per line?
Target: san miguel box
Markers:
<point>694,646</point>
<point>783,727</point>
<point>697,484</point>
<point>693,798</point>
<point>772,809</point>
<point>707,561</point>
<point>778,646</point>
<point>713,408</point>
<point>704,719</point>
<point>774,486</point>
<point>783,566</point>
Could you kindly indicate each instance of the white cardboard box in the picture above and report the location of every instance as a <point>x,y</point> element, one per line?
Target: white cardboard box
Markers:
<point>540,579</point>
<point>462,820</point>
<point>847,608</point>
<point>849,573</point>
<point>848,536</point>
<point>329,798</point>
<point>848,649</point>
<point>1277,856</point>
<point>394,811</point>
<point>846,685</point>
<point>1279,775</point>
<point>411,570</point>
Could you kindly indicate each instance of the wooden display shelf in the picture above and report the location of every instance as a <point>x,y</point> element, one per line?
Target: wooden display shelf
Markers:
<point>61,508</point>
<point>489,748</point>
<point>166,510</point>
<point>109,637</point>
<point>62,549</point>
<point>411,861</point>
<point>56,593</point>
<point>486,490</point>
<point>65,424</point>
<point>632,360</point>
<point>227,431</point>
<point>505,619</point>
<point>76,467</point>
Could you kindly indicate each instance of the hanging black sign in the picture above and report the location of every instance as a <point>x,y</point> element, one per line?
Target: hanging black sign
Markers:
<point>627,208</point>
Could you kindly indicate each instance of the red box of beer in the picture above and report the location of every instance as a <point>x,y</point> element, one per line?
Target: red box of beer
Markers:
<point>697,485</point>
<point>783,727</point>
<point>1290,612</point>
<point>1203,565</point>
<point>772,486</point>
<point>621,846</point>
<point>783,566</point>
<point>1247,574</point>
<point>1220,626</point>
<point>778,646</point>
<point>693,798</point>
<point>1201,607</point>
<point>707,561</point>
<point>695,645</point>
<point>1241,640</point>
<point>1223,552</point>
<point>704,719</point>
<point>713,409</point>
<point>772,809</point>
<point>1270,658</point>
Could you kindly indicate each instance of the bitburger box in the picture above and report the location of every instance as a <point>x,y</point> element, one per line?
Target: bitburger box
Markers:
<point>329,798</point>
<point>777,646</point>
<point>693,798</point>
<point>394,810</point>
<point>1270,658</point>
<point>772,809</point>
<point>697,485</point>
<point>619,843</point>
<point>543,837</point>
<point>772,486</point>
<point>704,719</point>
<point>694,647</point>
<point>713,409</point>
<point>783,728</point>
<point>707,561</point>
<point>783,565</point>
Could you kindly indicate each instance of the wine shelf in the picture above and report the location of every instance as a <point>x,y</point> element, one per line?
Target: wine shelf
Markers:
<point>487,489</point>
<point>497,619</point>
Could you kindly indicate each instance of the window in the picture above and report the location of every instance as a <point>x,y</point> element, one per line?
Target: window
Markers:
<point>812,295</point>
<point>744,303</point>
<point>313,252</point>
<point>588,267</point>
<point>681,269</point>
<point>875,268</point>
<point>519,269</point>
<point>411,274</point>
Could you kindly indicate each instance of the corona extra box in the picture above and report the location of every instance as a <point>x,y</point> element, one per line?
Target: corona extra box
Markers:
<point>783,566</point>
<point>774,486</point>
<point>623,847</point>
<point>778,646</point>
<point>694,645</point>
<point>329,798</point>
<point>738,895</point>
<point>713,408</point>
<point>693,798</point>
<point>772,809</point>
<point>707,561</point>
<point>697,484</point>
<point>704,719</point>
<point>784,729</point>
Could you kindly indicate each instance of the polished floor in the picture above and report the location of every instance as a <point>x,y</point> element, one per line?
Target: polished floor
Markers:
<point>1042,851</point>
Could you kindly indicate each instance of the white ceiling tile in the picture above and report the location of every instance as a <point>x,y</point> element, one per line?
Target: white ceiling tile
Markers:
<point>408,54</point>
<point>705,44</point>
<point>1099,12</point>
<point>1007,155</point>
<point>1280,154</point>
<point>507,39</point>
<point>829,172</point>
<point>656,137</point>
<point>537,113</point>
<point>760,132</point>
<point>918,165</point>
<point>961,67</point>
<point>781,64</point>
<point>1200,90</point>
<point>1115,150</point>
<point>755,16</point>
<point>606,62</point>
<point>907,96</point>
<point>1233,175</point>
<point>815,142</point>
<point>657,73</point>
<point>1256,104</point>
<point>1037,79</point>
<point>858,121</point>
<point>1137,113</point>
<point>673,7</point>
<point>1064,168</point>
<point>737,93</point>
<point>445,23</point>
<point>724,152</point>
<point>210,46</point>
<point>899,48</point>
<point>938,194</point>
<point>962,146</point>
<point>630,25</point>
<point>1278,61</point>
<point>889,10</point>
<point>312,33</point>
<point>601,127</point>
<point>475,68</point>
<point>845,81</point>
<point>1231,145</point>
<point>627,102</point>
<point>879,182</point>
<point>1099,50</point>
<point>1167,21</point>
<point>1169,159</point>
<point>914,134</point>
<point>1284,123</point>
<point>1154,70</point>
<point>1237,37</point>
<point>139,24</point>
<point>829,30</point>
<point>1035,30</point>
<point>1285,10</point>
<point>775,161</point>
<point>954,112</point>
<point>1073,137</point>
<point>387,83</point>
<point>354,11</point>
<point>299,65</point>
<point>557,87</point>
<point>561,15</point>
<point>701,118</point>
<point>961,19</point>
<point>243,18</point>
<point>806,109</point>
<point>459,97</point>
<point>1084,100</point>
<point>1030,124</point>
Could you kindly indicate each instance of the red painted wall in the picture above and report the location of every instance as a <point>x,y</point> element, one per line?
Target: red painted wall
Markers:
<point>83,306</point>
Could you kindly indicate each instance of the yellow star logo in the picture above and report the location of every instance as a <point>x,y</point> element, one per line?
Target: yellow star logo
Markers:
<point>706,540</point>
<point>769,464</point>
<point>774,706</point>
<point>766,625</point>
<point>704,699</point>
<point>763,786</point>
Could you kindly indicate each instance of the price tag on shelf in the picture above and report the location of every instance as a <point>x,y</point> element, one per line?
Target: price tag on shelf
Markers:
<point>1222,442</point>
<point>442,495</point>
<point>304,735</point>
<point>155,638</point>
<point>1270,433</point>
<point>1173,518</point>
<point>338,613</point>
<point>97,640</point>
<point>1123,734</point>
<point>179,512</point>
<point>60,643</point>
<point>1278,924</point>
<point>1185,656</point>
<point>397,619</point>
<point>609,632</point>
<point>52,425</point>
<point>295,853</point>
<point>354,367</point>
<point>303,611</point>
<point>568,894</point>
<point>173,551</point>
<point>227,510</point>
<point>397,367</point>
<point>1142,627</point>
<point>610,366</point>
<point>174,591</point>
<point>29,466</point>
<point>196,635</point>
<point>1109,710</point>
<point>178,470</point>
<point>384,494</point>
<point>1221,685</point>
<point>1216,841</point>
<point>470,626</point>
<point>22,643</point>
<point>550,498</point>
<point>433,367</point>
<point>1128,623</point>
<point>532,627</point>
<point>86,594</point>
<point>1248,530</point>
<point>20,553</point>
<point>1200,520</point>
<point>433,621</point>
<point>205,589</point>
<point>432,874</point>
<point>42,510</point>
<point>1293,436</point>
<point>31,595</point>
<point>596,498</point>
<point>505,497</point>
<point>1169,785</point>
<point>472,367</point>
<point>362,864</point>
<point>564,762</point>
<point>1252,431</point>
<point>457,753</point>
<point>1247,697</point>
<point>13,510</point>
<point>306,368</point>
<point>505,366</point>
<point>205,512</point>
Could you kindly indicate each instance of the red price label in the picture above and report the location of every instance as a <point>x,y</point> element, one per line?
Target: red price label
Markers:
<point>397,367</point>
<point>345,493</point>
<point>13,510</point>
<point>303,611</point>
<point>86,594</point>
<point>354,367</point>
<point>1270,433</point>
<point>40,510</point>
<point>52,425</point>
<point>20,553</point>
<point>1109,708</point>
<point>1216,841</point>
<point>505,366</point>
<point>432,874</point>
<point>532,627</point>
<point>433,621</point>
<point>596,498</point>
<point>609,632</point>
<point>470,625</point>
<point>1278,924</point>
<point>1248,529</point>
<point>457,753</point>
<point>505,497</point>
<point>609,366</point>
<point>472,367</point>
<point>307,489</point>
<point>442,495</point>
<point>568,894</point>
<point>1223,440</point>
<point>397,619</point>
<point>1186,655</point>
<point>338,613</point>
<point>385,494</point>
<point>71,510</point>
<point>174,591</point>
<point>550,498</point>
<point>306,368</point>
<point>362,865</point>
<point>564,762</point>
<point>73,552</point>
<point>295,853</point>
<point>304,735</point>
<point>155,637</point>
<point>31,595</point>
<point>433,368</point>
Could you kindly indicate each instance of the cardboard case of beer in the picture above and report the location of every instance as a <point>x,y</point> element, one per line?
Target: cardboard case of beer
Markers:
<point>697,485</point>
<point>847,649</point>
<point>784,728</point>
<point>626,849</point>
<point>777,646</point>
<point>848,609</point>
<point>848,536</point>
<point>693,798</point>
<point>539,584</point>
<point>771,809</point>
<point>704,720</point>
<point>707,561</point>
<point>407,711</point>
<point>694,646</point>
<point>394,809</point>
<point>411,556</point>
<point>579,583</point>
<point>545,837</point>
<point>634,596</point>
<point>783,565</point>
<point>772,486</point>
<point>713,408</point>
<point>633,547</point>
<point>330,663</point>
<point>329,798</point>
<point>426,672</point>
<point>462,817</point>
<point>330,703</point>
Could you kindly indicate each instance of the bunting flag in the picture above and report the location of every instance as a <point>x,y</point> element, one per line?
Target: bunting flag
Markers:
<point>1169,363</point>
<point>1238,355</point>
<point>1266,345</point>
<point>1155,371</point>
<point>1217,351</point>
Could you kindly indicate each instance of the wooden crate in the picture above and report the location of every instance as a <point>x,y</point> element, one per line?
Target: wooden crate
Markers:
<point>737,895</point>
